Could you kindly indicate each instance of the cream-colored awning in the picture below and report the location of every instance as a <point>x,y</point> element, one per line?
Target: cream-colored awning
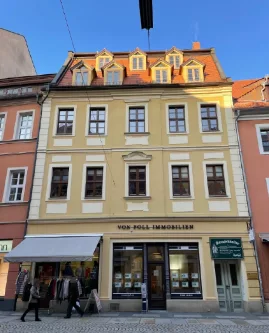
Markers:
<point>54,248</point>
<point>264,237</point>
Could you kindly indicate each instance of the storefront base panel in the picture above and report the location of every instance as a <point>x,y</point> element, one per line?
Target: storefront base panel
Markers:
<point>253,306</point>
<point>7,305</point>
<point>180,305</point>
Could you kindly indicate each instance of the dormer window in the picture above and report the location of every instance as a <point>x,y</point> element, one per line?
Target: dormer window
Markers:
<point>113,73</point>
<point>113,77</point>
<point>138,62</point>
<point>103,58</point>
<point>193,74</point>
<point>193,71</point>
<point>174,57</point>
<point>103,61</point>
<point>161,75</point>
<point>82,77</point>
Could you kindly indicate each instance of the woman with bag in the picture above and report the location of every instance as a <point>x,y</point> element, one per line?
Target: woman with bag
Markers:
<point>33,301</point>
<point>73,298</point>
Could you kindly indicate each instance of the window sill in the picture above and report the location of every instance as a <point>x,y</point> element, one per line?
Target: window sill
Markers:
<point>183,197</point>
<point>141,198</point>
<point>62,135</point>
<point>178,133</point>
<point>93,199</point>
<point>95,135</point>
<point>13,203</point>
<point>218,197</point>
<point>57,199</point>
<point>137,134</point>
<point>211,132</point>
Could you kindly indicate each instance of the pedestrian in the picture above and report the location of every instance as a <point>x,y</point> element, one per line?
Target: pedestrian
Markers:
<point>73,297</point>
<point>33,301</point>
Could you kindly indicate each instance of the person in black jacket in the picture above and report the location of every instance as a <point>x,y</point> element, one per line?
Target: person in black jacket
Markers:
<point>72,299</point>
<point>33,301</point>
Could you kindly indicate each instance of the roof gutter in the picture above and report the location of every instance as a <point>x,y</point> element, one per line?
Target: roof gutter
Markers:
<point>251,229</point>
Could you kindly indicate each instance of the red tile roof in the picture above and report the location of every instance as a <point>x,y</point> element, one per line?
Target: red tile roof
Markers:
<point>243,87</point>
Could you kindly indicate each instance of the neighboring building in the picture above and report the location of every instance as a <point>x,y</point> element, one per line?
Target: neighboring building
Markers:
<point>138,167</point>
<point>19,124</point>
<point>251,98</point>
<point>15,57</point>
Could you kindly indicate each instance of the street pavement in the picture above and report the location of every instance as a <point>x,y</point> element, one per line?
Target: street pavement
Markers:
<point>136,322</point>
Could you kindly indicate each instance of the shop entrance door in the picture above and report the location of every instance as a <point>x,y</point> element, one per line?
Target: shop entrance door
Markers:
<point>156,289</point>
<point>228,286</point>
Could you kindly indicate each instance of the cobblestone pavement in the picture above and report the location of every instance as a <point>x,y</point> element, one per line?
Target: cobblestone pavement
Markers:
<point>11,323</point>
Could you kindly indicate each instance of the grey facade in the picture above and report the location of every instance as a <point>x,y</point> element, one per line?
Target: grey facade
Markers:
<point>15,58</point>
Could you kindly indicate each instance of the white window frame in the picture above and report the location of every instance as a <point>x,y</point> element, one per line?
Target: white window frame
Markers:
<point>167,105</point>
<point>105,106</point>
<point>3,115</point>
<point>130,105</point>
<point>193,73</point>
<point>259,127</point>
<point>105,63</point>
<point>172,197</point>
<point>161,74</point>
<point>5,198</point>
<point>83,188</point>
<point>226,179</point>
<point>49,179</point>
<point>17,124</point>
<point>57,108</point>
<point>220,130</point>
<point>137,164</point>
<point>174,60</point>
<point>138,57</point>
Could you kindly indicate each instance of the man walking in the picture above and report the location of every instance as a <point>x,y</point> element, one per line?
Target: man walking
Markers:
<point>33,301</point>
<point>73,297</point>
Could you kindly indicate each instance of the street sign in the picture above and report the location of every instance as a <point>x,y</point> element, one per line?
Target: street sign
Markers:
<point>226,248</point>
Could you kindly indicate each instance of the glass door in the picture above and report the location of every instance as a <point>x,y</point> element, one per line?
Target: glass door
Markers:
<point>156,291</point>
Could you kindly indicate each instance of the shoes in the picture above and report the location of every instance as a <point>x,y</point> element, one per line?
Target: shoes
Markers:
<point>67,317</point>
<point>82,314</point>
<point>22,319</point>
<point>38,319</point>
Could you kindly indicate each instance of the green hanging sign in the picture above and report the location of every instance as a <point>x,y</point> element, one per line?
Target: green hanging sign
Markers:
<point>226,248</point>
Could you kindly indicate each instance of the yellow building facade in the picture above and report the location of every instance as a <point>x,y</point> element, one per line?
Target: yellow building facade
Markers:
<point>151,170</point>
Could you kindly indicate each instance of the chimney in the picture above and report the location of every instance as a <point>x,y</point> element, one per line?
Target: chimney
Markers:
<point>196,46</point>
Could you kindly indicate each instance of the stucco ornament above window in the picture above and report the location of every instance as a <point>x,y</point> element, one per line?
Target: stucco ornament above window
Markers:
<point>174,57</point>
<point>137,60</point>
<point>113,73</point>
<point>83,74</point>
<point>103,58</point>
<point>137,156</point>
<point>193,70</point>
<point>161,71</point>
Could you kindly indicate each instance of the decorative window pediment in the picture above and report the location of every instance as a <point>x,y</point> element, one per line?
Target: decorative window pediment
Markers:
<point>137,156</point>
<point>113,73</point>
<point>193,70</point>
<point>137,60</point>
<point>175,57</point>
<point>103,58</point>
<point>161,71</point>
<point>83,74</point>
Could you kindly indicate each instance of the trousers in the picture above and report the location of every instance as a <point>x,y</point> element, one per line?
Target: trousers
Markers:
<point>31,306</point>
<point>71,304</point>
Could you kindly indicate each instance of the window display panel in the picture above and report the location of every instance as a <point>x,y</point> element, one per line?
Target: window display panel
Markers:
<point>128,271</point>
<point>185,274</point>
<point>45,272</point>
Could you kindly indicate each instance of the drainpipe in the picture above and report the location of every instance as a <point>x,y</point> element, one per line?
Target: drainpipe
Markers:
<point>250,212</point>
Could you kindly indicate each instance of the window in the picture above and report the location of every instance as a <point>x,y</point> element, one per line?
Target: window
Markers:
<point>97,118</point>
<point>65,121</point>
<point>138,63</point>
<point>161,76</point>
<point>181,180</point>
<point>193,74</point>
<point>94,182</point>
<point>59,183</point>
<point>185,276</point>
<point>137,120</point>
<point>174,60</point>
<point>2,125</point>
<point>103,61</point>
<point>113,77</point>
<point>209,118</point>
<point>177,119</point>
<point>16,185</point>
<point>137,180</point>
<point>215,180</point>
<point>25,126</point>
<point>127,271</point>
<point>82,77</point>
<point>265,139</point>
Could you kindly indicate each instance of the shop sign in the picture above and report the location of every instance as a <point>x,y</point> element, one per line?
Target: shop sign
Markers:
<point>252,276</point>
<point>5,246</point>
<point>226,248</point>
<point>97,300</point>
<point>155,227</point>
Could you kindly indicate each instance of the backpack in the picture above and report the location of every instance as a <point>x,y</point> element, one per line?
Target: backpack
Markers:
<point>26,292</point>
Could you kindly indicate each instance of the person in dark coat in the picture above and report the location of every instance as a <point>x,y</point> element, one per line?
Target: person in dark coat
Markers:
<point>33,301</point>
<point>72,299</point>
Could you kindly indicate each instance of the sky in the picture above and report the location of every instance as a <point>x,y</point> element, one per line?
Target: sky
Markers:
<point>237,29</point>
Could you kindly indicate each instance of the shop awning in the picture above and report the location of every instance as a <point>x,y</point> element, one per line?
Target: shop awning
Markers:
<point>264,237</point>
<point>52,248</point>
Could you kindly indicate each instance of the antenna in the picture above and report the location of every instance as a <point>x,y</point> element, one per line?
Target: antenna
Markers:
<point>196,31</point>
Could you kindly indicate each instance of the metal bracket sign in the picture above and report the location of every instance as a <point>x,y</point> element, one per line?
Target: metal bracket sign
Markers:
<point>226,248</point>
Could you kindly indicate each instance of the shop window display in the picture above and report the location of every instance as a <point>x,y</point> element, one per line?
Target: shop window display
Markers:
<point>185,277</point>
<point>128,271</point>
